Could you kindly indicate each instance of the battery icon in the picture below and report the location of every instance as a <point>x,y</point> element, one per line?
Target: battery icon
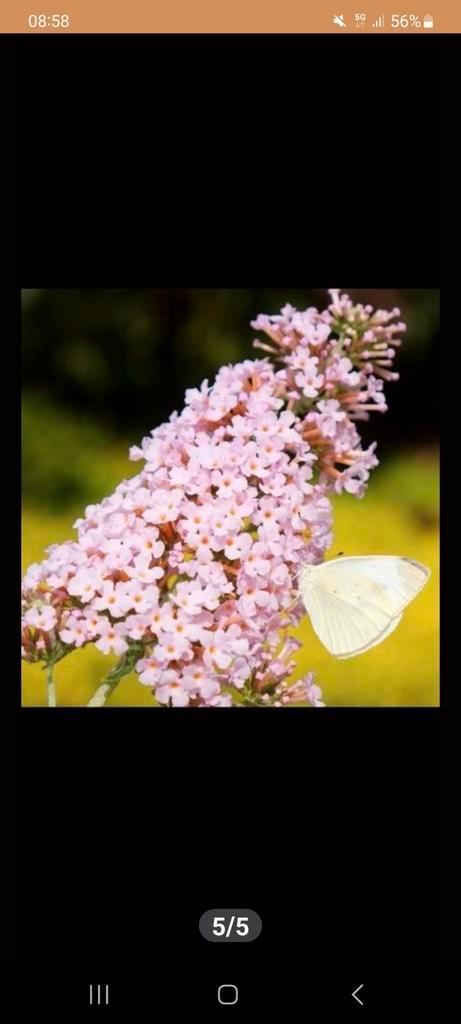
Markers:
<point>428,21</point>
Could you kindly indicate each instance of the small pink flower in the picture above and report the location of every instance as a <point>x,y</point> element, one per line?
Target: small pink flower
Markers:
<point>92,623</point>
<point>189,596</point>
<point>149,671</point>
<point>170,690</point>
<point>85,583</point>
<point>256,562</point>
<point>76,632</point>
<point>237,546</point>
<point>41,616</point>
<point>142,571</point>
<point>252,597</point>
<point>113,598</point>
<point>228,483</point>
<point>172,647</point>
<point>148,545</point>
<point>213,649</point>
<point>111,639</point>
<point>137,595</point>
<point>197,679</point>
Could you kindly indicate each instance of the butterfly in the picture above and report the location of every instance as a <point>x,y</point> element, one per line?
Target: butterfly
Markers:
<point>355,603</point>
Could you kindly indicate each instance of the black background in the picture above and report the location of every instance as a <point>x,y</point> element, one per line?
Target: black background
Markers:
<point>219,162</point>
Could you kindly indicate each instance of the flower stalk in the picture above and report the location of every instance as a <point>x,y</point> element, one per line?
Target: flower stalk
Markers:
<point>50,687</point>
<point>124,667</point>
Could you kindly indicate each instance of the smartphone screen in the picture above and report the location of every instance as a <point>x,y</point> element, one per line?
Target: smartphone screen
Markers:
<point>230,510</point>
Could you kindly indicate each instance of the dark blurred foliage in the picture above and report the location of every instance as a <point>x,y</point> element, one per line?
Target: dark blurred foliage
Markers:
<point>105,362</point>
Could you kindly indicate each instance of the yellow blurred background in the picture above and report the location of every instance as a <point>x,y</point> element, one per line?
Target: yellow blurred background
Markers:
<point>104,366</point>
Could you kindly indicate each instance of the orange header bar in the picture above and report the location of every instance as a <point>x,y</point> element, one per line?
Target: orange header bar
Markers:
<point>58,17</point>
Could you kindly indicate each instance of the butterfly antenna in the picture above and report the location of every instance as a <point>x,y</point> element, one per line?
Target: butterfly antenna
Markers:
<point>290,606</point>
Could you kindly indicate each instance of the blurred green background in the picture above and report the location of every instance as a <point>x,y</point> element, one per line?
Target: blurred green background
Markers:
<point>101,367</point>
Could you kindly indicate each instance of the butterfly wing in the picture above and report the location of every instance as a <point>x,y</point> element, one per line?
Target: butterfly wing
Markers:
<point>355,603</point>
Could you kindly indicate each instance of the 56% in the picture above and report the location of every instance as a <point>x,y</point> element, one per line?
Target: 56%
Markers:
<point>405,21</point>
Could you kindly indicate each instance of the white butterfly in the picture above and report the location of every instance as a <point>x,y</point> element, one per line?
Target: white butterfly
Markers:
<point>355,603</point>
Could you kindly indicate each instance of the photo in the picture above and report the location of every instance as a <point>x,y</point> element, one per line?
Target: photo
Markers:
<point>230,498</point>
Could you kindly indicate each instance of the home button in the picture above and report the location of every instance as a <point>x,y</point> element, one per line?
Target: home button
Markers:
<point>228,995</point>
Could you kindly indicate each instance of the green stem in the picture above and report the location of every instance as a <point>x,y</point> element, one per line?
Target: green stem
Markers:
<point>123,668</point>
<point>50,687</point>
<point>103,692</point>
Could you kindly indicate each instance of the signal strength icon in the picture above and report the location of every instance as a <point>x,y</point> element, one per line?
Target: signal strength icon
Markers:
<point>379,23</point>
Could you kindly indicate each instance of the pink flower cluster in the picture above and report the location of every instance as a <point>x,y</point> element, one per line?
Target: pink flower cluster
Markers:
<point>193,562</point>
